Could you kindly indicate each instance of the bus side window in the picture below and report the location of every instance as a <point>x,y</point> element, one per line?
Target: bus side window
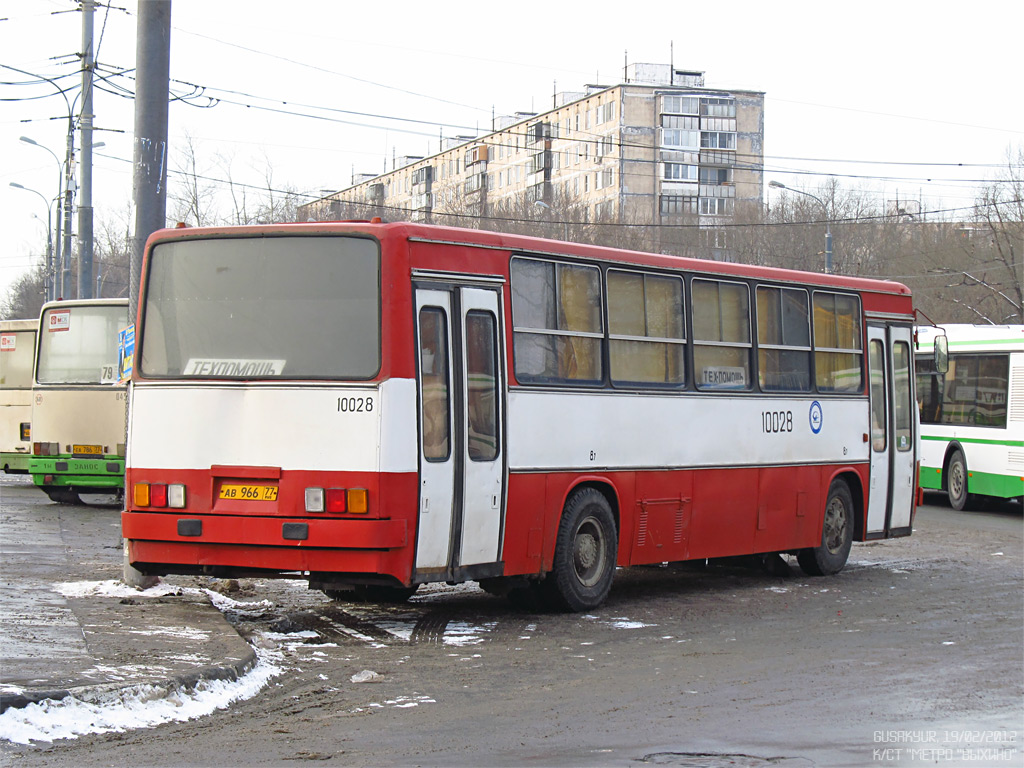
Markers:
<point>434,373</point>
<point>482,398</point>
<point>902,404</point>
<point>877,352</point>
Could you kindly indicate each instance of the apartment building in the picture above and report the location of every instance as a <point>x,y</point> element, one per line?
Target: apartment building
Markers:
<point>657,149</point>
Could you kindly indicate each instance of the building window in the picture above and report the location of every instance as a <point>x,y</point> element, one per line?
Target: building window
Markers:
<point>680,122</point>
<point>676,205</point>
<point>681,105</point>
<point>716,175</point>
<point>718,124</point>
<point>671,137</point>
<point>717,107</point>
<point>680,172</point>
<point>716,206</point>
<point>717,140</point>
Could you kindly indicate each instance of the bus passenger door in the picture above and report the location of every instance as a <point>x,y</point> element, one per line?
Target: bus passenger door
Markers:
<point>482,412</point>
<point>460,379</point>
<point>893,455</point>
<point>437,458</point>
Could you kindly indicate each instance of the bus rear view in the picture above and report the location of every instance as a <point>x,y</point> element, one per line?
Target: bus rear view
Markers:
<point>256,411</point>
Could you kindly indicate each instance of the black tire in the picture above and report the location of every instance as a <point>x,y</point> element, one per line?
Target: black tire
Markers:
<point>836,534</point>
<point>585,553</point>
<point>956,481</point>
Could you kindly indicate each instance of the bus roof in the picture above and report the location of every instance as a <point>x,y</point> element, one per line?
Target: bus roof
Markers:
<point>18,325</point>
<point>966,337</point>
<point>82,303</point>
<point>533,245</point>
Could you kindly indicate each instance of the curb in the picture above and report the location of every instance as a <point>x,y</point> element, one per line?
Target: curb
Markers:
<point>187,682</point>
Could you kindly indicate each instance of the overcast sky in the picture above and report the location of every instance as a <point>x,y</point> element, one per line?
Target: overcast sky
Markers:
<point>915,99</point>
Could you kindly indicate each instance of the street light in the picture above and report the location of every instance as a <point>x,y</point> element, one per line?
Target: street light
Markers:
<point>828,225</point>
<point>65,274</point>
<point>549,212</point>
<point>51,268</point>
<point>49,240</point>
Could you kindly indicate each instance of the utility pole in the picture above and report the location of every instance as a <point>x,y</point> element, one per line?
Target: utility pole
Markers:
<point>149,188</point>
<point>69,203</point>
<point>85,206</point>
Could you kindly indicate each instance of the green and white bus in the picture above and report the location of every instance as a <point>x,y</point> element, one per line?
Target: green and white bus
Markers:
<point>972,417</point>
<point>17,350</point>
<point>78,402</point>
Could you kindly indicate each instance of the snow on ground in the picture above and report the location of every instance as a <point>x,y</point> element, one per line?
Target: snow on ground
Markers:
<point>102,710</point>
<point>139,706</point>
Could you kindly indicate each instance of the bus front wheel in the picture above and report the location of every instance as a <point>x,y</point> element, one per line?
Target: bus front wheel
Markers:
<point>585,553</point>
<point>836,534</point>
<point>956,481</point>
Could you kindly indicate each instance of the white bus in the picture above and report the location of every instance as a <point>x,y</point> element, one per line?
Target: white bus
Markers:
<point>373,406</point>
<point>78,406</point>
<point>972,418</point>
<point>17,348</point>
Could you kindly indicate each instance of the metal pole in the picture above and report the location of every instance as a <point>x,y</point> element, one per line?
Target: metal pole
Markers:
<point>85,206</point>
<point>828,247</point>
<point>153,54</point>
<point>69,178</point>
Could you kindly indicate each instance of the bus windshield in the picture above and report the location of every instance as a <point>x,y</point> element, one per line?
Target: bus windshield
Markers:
<point>263,307</point>
<point>79,344</point>
<point>18,349</point>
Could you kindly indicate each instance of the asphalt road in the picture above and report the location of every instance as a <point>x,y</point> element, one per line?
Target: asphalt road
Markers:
<point>913,655</point>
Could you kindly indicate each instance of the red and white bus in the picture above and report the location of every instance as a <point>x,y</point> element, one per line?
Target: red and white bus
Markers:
<point>376,406</point>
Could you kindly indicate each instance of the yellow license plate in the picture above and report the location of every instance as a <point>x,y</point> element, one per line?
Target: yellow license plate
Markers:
<point>249,492</point>
<point>87,450</point>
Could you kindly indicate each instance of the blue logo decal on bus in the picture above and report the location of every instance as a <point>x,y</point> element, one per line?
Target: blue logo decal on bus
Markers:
<point>815,417</point>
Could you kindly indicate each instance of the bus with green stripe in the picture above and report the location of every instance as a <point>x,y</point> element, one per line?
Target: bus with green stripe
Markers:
<point>79,403</point>
<point>972,417</point>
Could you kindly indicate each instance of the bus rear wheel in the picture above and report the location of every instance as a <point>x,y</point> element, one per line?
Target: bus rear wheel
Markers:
<point>956,481</point>
<point>585,553</point>
<point>836,534</point>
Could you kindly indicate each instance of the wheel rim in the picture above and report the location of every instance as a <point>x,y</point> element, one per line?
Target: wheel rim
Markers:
<point>956,479</point>
<point>589,552</point>
<point>835,525</point>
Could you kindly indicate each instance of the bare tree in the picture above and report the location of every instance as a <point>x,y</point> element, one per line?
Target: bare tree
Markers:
<point>193,195</point>
<point>24,298</point>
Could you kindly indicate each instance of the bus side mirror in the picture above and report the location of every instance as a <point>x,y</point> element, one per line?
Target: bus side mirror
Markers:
<point>940,352</point>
